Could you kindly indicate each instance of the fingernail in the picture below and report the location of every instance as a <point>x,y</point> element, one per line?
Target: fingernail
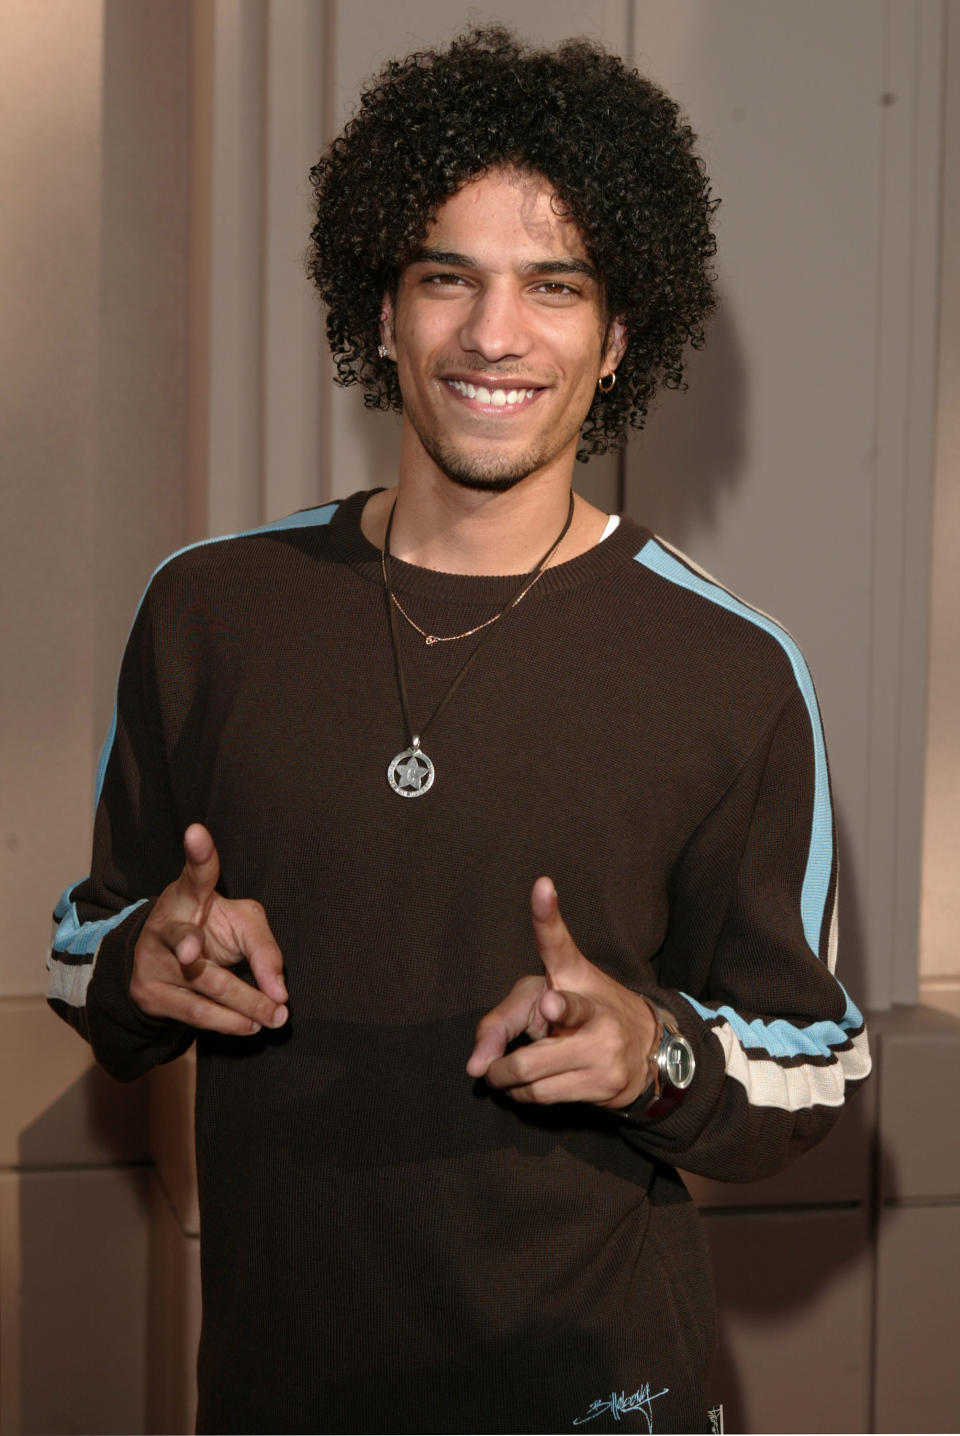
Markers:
<point>255,1027</point>
<point>279,1017</point>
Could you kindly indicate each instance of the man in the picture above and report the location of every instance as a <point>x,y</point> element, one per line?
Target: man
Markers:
<point>438,1122</point>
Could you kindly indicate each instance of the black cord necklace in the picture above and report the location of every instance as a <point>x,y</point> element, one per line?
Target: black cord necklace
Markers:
<point>411,773</point>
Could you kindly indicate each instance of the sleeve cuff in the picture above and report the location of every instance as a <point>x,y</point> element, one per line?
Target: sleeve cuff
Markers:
<point>126,1042</point>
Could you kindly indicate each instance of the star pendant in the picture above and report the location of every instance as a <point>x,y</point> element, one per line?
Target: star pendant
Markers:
<point>411,773</point>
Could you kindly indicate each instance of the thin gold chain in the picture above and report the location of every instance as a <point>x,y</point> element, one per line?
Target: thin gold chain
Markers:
<point>432,638</point>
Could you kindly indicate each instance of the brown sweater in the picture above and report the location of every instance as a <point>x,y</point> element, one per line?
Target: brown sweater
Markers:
<point>388,1245</point>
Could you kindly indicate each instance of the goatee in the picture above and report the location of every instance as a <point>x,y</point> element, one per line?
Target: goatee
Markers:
<point>483,473</point>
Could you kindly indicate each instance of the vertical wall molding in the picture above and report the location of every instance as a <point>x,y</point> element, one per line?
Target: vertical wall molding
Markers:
<point>907,301</point>
<point>258,371</point>
<point>236,269</point>
<point>295,369</point>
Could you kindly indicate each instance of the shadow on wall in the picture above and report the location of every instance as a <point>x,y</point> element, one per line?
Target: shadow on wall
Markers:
<point>83,1247</point>
<point>794,1262</point>
<point>95,1122</point>
<point>371,439</point>
<point>692,452</point>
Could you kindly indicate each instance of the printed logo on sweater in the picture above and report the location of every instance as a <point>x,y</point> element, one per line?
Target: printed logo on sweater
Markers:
<point>620,1405</point>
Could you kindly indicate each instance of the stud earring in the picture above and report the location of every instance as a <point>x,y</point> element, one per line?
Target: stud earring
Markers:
<point>383,351</point>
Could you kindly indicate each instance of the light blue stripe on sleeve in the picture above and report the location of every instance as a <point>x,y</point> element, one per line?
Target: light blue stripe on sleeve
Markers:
<point>82,938</point>
<point>781,1038</point>
<point>816,882</point>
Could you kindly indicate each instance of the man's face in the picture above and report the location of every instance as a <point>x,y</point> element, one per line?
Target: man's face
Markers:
<point>499,335</point>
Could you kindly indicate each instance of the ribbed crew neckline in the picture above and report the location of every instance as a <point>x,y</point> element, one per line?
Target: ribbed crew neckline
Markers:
<point>352,545</point>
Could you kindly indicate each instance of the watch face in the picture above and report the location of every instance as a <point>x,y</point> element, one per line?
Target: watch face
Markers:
<point>678,1062</point>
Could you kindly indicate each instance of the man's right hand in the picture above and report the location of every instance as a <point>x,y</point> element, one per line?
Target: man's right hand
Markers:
<point>190,941</point>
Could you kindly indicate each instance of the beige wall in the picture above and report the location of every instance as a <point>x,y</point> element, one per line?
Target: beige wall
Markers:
<point>50,242</point>
<point>94,164</point>
<point>50,238</point>
<point>164,378</point>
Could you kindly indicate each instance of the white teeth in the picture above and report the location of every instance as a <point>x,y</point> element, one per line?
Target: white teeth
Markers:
<point>483,395</point>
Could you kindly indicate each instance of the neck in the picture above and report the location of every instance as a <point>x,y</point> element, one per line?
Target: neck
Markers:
<point>446,527</point>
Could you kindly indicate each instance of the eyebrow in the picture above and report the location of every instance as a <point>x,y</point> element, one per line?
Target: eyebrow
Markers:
<point>533,266</point>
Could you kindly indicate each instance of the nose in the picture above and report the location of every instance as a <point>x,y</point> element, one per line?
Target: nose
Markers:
<point>495,326</point>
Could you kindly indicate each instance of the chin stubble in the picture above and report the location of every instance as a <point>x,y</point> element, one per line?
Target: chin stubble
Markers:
<point>483,473</point>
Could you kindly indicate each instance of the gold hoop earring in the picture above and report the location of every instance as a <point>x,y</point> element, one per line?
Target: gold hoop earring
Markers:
<point>606,381</point>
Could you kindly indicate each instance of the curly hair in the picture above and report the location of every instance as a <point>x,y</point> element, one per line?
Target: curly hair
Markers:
<point>613,146</point>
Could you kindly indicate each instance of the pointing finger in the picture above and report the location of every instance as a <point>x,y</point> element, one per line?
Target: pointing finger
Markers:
<point>201,868</point>
<point>559,953</point>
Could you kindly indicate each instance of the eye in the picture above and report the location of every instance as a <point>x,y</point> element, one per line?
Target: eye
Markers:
<point>556,291</point>
<point>441,280</point>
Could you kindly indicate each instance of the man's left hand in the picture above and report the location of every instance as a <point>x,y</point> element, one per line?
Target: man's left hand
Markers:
<point>591,1039</point>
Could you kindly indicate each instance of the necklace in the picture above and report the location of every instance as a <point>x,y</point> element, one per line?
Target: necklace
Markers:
<point>431,638</point>
<point>411,773</point>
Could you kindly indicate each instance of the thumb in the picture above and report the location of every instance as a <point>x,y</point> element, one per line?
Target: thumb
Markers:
<point>561,957</point>
<point>201,867</point>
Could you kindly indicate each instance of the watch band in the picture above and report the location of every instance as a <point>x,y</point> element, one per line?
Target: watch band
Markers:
<point>662,1094</point>
<point>675,1063</point>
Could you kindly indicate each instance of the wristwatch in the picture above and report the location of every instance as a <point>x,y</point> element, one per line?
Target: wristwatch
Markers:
<point>675,1063</point>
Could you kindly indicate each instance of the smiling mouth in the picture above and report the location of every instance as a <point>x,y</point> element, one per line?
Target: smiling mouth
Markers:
<point>498,398</point>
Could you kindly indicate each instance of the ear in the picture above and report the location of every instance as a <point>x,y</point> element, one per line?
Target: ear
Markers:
<point>616,345</point>
<point>386,324</point>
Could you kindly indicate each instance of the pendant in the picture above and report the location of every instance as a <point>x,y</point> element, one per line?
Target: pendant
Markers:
<point>411,773</point>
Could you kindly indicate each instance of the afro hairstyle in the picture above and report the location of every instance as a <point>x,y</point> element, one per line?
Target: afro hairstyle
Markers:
<point>616,151</point>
